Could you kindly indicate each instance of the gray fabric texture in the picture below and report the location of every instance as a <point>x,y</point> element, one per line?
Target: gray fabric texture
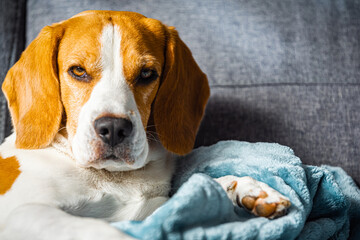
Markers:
<point>12,41</point>
<point>285,71</point>
<point>245,42</point>
<point>319,122</point>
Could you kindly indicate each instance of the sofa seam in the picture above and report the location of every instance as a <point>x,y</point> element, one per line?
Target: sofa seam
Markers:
<point>284,84</point>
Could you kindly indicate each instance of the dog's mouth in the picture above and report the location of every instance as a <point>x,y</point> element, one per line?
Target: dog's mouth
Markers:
<point>110,157</point>
<point>124,158</point>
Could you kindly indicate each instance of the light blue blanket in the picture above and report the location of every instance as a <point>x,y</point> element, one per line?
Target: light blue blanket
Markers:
<point>325,200</point>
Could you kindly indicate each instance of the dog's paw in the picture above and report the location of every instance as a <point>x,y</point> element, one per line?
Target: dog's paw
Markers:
<point>257,197</point>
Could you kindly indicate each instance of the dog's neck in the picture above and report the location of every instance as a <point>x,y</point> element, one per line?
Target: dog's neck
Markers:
<point>160,162</point>
<point>61,144</point>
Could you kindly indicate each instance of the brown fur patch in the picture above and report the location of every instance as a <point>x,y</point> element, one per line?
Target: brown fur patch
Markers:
<point>142,47</point>
<point>180,102</point>
<point>9,171</point>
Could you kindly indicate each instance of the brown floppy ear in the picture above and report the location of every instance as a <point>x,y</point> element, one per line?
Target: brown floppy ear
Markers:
<point>32,89</point>
<point>180,103</point>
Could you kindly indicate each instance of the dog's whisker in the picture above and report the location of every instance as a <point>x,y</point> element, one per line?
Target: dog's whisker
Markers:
<point>153,139</point>
<point>60,129</point>
<point>152,132</point>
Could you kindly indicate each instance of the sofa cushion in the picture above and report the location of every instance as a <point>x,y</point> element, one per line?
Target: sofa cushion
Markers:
<point>319,122</point>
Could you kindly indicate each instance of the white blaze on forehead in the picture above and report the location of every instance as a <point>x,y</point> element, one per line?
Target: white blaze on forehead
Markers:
<point>110,53</point>
<point>113,79</point>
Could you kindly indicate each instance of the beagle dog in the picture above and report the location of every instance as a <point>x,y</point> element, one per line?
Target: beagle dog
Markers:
<point>100,104</point>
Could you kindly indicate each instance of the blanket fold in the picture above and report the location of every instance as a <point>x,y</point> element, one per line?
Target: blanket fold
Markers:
<point>325,200</point>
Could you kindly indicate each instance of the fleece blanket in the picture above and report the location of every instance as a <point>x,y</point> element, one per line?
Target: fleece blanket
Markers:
<point>325,200</point>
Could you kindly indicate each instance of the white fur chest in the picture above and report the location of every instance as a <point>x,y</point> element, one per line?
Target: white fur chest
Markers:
<point>121,195</point>
<point>49,176</point>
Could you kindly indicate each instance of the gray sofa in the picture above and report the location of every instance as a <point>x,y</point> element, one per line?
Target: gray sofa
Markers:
<point>285,71</point>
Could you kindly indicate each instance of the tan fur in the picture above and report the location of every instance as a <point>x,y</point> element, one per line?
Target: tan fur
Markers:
<point>182,97</point>
<point>84,53</point>
<point>32,90</point>
<point>9,171</point>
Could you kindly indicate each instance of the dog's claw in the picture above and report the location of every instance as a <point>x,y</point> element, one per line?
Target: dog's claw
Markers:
<point>232,186</point>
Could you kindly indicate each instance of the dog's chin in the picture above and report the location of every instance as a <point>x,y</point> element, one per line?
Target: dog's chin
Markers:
<point>94,154</point>
<point>114,165</point>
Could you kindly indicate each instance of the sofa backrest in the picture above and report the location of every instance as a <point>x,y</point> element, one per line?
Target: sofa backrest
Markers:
<point>285,71</point>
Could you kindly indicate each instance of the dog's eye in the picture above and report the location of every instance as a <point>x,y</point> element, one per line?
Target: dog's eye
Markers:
<point>146,73</point>
<point>78,73</point>
<point>146,76</point>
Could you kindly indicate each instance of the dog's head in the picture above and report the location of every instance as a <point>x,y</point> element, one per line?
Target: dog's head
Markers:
<point>109,77</point>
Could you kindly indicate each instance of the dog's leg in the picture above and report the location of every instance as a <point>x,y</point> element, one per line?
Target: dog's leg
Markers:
<point>42,222</point>
<point>257,197</point>
<point>148,206</point>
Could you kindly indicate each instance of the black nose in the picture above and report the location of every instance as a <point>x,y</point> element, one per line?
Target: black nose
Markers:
<point>113,130</point>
